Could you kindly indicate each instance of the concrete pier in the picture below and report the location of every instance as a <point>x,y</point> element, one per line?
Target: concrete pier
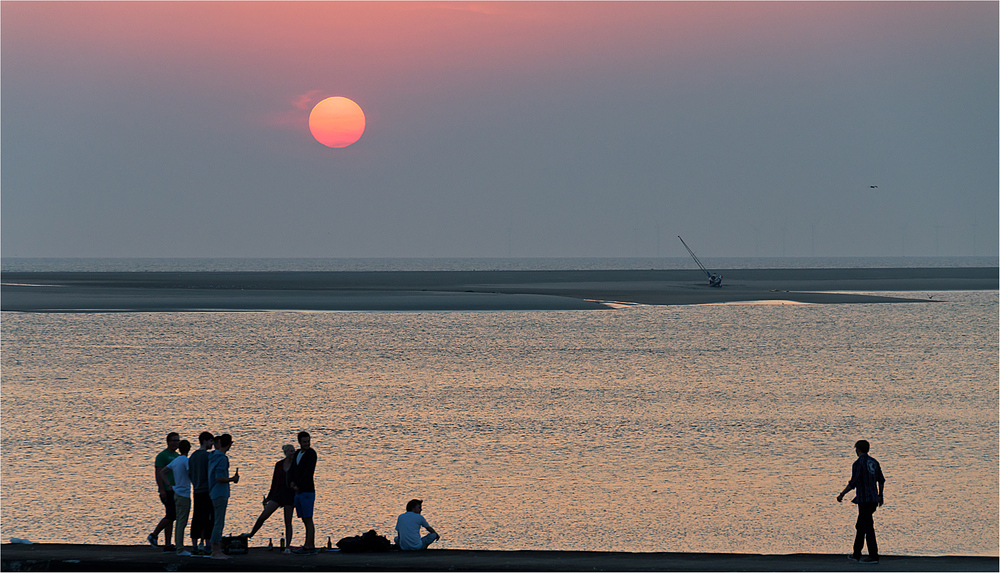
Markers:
<point>60,557</point>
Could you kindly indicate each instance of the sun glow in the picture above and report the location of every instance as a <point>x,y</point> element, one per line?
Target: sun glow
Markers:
<point>337,122</point>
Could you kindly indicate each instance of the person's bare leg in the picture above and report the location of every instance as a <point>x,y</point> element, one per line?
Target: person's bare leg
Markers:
<point>310,533</point>
<point>160,527</point>
<point>289,515</point>
<point>268,510</point>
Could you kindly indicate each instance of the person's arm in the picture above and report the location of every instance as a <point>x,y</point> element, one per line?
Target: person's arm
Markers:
<point>292,471</point>
<point>162,484</point>
<point>162,475</point>
<point>234,479</point>
<point>855,474</point>
<point>221,468</point>
<point>881,487</point>
<point>427,526</point>
<point>309,462</point>
<point>276,478</point>
<point>303,471</point>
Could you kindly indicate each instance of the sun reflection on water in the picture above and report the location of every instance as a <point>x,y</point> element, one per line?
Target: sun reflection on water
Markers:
<point>711,428</point>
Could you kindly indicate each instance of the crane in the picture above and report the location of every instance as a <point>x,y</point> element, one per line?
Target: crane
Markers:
<point>714,280</point>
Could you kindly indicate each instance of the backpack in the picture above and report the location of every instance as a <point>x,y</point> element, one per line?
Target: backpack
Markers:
<point>368,542</point>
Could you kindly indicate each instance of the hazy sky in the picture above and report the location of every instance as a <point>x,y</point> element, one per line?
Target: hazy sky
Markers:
<point>144,129</point>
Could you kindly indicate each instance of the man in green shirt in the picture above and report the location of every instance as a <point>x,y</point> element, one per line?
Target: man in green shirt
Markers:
<point>166,496</point>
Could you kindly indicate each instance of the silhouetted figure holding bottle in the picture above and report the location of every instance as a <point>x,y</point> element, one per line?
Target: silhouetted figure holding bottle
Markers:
<point>867,478</point>
<point>218,473</point>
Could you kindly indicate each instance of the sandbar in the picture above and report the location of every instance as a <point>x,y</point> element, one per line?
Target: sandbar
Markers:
<point>469,290</point>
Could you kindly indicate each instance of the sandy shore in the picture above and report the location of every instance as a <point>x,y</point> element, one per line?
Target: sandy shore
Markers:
<point>466,290</point>
<point>52,557</point>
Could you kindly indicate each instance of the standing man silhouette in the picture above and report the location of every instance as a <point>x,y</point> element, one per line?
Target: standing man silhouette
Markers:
<point>218,476</point>
<point>301,480</point>
<point>866,476</point>
<point>201,520</point>
<point>178,472</point>
<point>166,496</point>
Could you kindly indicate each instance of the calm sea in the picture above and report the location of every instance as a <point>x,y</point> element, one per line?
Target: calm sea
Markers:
<point>725,428</point>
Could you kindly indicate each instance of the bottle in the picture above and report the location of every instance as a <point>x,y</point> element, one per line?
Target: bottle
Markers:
<point>282,543</point>
<point>270,546</point>
<point>329,543</point>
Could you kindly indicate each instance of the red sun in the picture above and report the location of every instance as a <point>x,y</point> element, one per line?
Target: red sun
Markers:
<point>337,122</point>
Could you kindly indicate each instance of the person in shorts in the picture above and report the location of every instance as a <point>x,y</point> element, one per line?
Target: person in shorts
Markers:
<point>166,496</point>
<point>301,481</point>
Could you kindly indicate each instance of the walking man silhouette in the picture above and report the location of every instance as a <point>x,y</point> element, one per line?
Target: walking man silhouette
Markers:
<point>867,478</point>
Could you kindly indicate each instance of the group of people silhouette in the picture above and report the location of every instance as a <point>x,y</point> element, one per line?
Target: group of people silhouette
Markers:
<point>204,478</point>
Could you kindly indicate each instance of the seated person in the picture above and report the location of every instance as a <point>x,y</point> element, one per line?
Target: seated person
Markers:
<point>408,527</point>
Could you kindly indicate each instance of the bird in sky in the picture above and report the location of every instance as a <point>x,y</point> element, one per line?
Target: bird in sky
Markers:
<point>873,186</point>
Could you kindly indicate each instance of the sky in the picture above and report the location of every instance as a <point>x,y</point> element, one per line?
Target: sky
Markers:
<point>496,129</point>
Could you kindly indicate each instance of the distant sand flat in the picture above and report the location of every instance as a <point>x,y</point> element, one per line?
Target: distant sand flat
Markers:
<point>466,290</point>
